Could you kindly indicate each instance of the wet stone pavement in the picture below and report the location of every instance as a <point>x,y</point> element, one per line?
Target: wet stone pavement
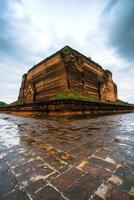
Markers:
<point>67,159</point>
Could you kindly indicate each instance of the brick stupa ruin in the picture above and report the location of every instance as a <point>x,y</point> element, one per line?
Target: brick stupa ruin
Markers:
<point>67,69</point>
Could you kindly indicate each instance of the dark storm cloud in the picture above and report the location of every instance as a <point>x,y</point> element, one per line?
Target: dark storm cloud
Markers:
<point>5,44</point>
<point>9,46</point>
<point>119,17</point>
<point>110,5</point>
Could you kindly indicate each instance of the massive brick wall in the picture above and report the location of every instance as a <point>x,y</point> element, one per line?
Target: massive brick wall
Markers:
<point>44,81</point>
<point>67,69</point>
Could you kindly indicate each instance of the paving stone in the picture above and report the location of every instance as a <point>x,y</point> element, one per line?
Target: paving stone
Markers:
<point>10,156</point>
<point>96,171</point>
<point>66,179</point>
<point>31,176</point>
<point>83,188</point>
<point>117,156</point>
<point>103,153</point>
<point>7,181</point>
<point>114,193</point>
<point>48,193</point>
<point>82,142</point>
<point>15,160</point>
<point>83,151</point>
<point>35,186</point>
<point>45,170</point>
<point>2,147</point>
<point>14,149</point>
<point>73,161</point>
<point>127,178</point>
<point>123,172</point>
<point>52,176</point>
<point>29,166</point>
<point>130,156</point>
<point>102,163</point>
<point>15,195</point>
<point>129,165</point>
<point>96,197</point>
<point>110,191</point>
<point>54,162</point>
<point>115,179</point>
<point>3,165</point>
<point>63,169</point>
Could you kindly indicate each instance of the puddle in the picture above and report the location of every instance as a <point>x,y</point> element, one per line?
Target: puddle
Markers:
<point>73,139</point>
<point>9,133</point>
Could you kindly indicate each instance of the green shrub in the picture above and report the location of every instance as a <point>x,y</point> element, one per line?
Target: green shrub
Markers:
<point>71,94</point>
<point>66,50</point>
<point>2,104</point>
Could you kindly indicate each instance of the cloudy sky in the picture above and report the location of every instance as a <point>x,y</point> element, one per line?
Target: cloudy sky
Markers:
<point>31,30</point>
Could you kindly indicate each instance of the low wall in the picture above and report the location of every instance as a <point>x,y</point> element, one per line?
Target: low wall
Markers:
<point>67,107</point>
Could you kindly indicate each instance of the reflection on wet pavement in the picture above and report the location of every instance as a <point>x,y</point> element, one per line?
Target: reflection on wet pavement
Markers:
<point>67,159</point>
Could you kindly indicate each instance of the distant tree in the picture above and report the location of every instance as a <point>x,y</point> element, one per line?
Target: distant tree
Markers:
<point>2,104</point>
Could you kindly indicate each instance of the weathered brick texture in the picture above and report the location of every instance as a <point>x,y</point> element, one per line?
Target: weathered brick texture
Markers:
<point>64,70</point>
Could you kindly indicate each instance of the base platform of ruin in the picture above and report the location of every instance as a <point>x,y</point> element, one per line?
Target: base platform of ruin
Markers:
<point>67,108</point>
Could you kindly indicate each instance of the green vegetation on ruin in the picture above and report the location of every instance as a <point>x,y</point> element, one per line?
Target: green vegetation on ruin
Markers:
<point>2,104</point>
<point>72,95</point>
<point>66,50</point>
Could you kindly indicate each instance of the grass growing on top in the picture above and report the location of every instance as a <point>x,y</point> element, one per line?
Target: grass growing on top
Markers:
<point>2,104</point>
<point>71,94</point>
